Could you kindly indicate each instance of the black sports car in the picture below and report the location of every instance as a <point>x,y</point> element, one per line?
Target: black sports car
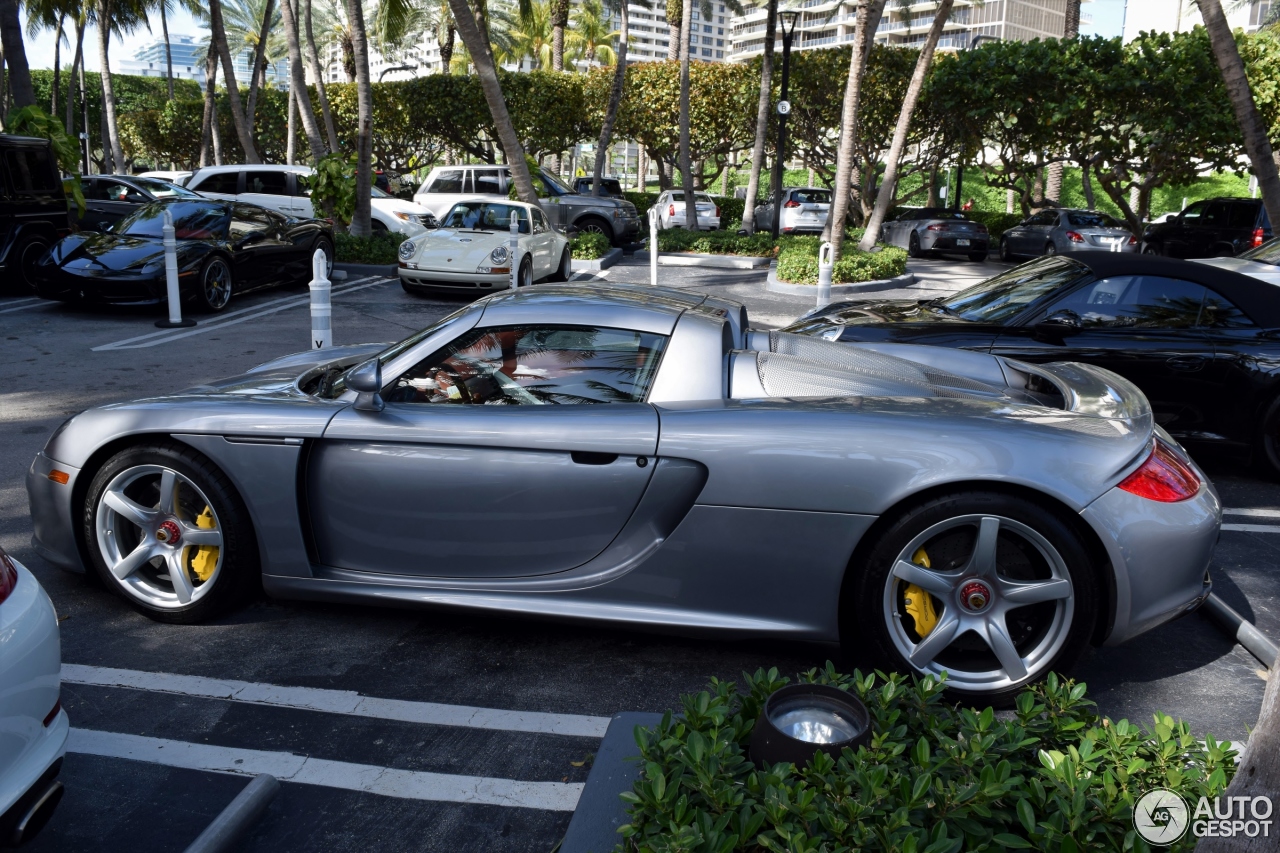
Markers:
<point>224,248</point>
<point>1203,343</point>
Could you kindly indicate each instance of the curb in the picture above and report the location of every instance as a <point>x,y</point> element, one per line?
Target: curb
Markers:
<point>610,258</point>
<point>724,262</point>
<point>772,284</point>
<point>601,810</point>
<point>384,270</point>
<point>1241,630</point>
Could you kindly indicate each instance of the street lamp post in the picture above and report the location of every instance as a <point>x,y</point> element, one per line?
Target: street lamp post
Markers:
<point>956,202</point>
<point>788,20</point>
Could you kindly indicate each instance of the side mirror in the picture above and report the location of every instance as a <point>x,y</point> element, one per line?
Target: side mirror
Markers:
<point>1058,325</point>
<point>572,230</point>
<point>366,381</point>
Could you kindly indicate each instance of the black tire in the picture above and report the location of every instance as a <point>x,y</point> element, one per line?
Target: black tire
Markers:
<point>1005,254</point>
<point>1151,249</point>
<point>913,246</point>
<point>237,572</point>
<point>1224,252</point>
<point>215,285</point>
<point>323,244</point>
<point>524,276</point>
<point>27,255</point>
<point>565,271</point>
<point>1267,443</point>
<point>377,227</point>
<point>1046,636</point>
<point>1050,250</point>
<point>595,225</point>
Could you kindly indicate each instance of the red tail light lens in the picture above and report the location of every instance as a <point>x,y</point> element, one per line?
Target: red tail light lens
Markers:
<point>792,203</point>
<point>717,211</point>
<point>1163,477</point>
<point>938,226</point>
<point>53,714</point>
<point>981,229</point>
<point>671,211</point>
<point>1133,241</point>
<point>1075,237</point>
<point>8,576</point>
<point>1257,237</point>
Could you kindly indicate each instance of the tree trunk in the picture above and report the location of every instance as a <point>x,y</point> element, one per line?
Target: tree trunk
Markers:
<point>615,100</point>
<point>258,76</point>
<point>218,37</point>
<point>360,221</point>
<point>1258,771</point>
<point>85,147</point>
<point>70,123</point>
<point>24,95</point>
<point>446,48</point>
<point>299,97</point>
<point>686,166</point>
<point>762,118</point>
<point>1252,126</point>
<point>57,65</point>
<point>885,197</point>
<point>842,189</point>
<point>112,140</point>
<point>1071,29</point>
<point>168,51</point>
<point>1086,184</point>
<point>313,58</point>
<point>291,139</point>
<point>559,20</point>
<point>210,105</point>
<point>478,46</point>
<point>1053,183</point>
<point>675,12</point>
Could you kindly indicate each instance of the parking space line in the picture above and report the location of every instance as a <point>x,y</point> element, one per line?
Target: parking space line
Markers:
<point>338,702</point>
<point>1253,528</point>
<point>1253,512</point>
<point>221,322</point>
<point>365,778</point>
<point>22,304</point>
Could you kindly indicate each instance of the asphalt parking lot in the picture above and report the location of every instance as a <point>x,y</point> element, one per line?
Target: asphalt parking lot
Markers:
<point>490,721</point>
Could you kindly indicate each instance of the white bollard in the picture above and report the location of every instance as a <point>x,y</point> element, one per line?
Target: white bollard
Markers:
<point>653,246</point>
<point>321,307</point>
<point>514,250</point>
<point>826,264</point>
<point>172,294</point>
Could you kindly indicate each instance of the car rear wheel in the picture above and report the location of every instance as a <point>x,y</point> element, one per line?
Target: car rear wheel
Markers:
<point>565,270</point>
<point>1151,249</point>
<point>994,590</point>
<point>913,246</point>
<point>166,530</point>
<point>1050,249</point>
<point>1005,254</point>
<point>28,257</point>
<point>214,287</point>
<point>524,278</point>
<point>1267,446</point>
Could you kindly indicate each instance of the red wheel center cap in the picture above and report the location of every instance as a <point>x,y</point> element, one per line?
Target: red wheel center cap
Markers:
<point>169,532</point>
<point>975,595</point>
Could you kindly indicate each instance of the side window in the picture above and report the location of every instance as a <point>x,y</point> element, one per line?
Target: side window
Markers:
<point>1243,215</point>
<point>116,191</point>
<point>1135,302</point>
<point>1192,214</point>
<point>1216,214</point>
<point>535,365</point>
<point>266,183</point>
<point>539,222</point>
<point>220,182</point>
<point>30,170</point>
<point>248,220</point>
<point>448,181</point>
<point>1218,313</point>
<point>488,181</point>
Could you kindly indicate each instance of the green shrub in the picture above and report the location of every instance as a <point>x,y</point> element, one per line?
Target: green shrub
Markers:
<point>760,244</point>
<point>333,187</point>
<point>936,778</point>
<point>798,261</point>
<point>381,248</point>
<point>730,208</point>
<point>589,246</point>
<point>997,223</point>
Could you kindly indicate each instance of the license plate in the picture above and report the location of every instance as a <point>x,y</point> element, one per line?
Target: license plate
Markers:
<point>962,242</point>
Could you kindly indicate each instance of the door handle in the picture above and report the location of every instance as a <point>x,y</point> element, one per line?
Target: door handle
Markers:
<point>585,457</point>
<point>1187,362</point>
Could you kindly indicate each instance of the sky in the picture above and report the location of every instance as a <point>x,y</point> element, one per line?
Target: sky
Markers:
<point>1108,18</point>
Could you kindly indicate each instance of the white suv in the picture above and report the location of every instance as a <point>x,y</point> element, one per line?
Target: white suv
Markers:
<point>279,188</point>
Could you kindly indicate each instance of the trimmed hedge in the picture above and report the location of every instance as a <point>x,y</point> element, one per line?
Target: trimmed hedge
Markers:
<point>730,208</point>
<point>760,244</point>
<point>589,246</point>
<point>381,248</point>
<point>936,778</point>
<point>997,223</point>
<point>798,262</point>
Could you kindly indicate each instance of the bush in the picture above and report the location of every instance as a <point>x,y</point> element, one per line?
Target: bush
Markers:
<point>760,244</point>
<point>589,246</point>
<point>730,208</point>
<point>997,223</point>
<point>798,261</point>
<point>936,778</point>
<point>379,249</point>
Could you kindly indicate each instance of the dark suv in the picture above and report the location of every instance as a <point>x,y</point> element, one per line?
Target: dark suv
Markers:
<point>1213,228</point>
<point>33,207</point>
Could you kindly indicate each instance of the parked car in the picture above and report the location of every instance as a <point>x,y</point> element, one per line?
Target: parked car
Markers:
<point>1196,339</point>
<point>33,208</point>
<point>179,177</point>
<point>110,198</point>
<point>1213,228</point>
<point>635,455</point>
<point>471,250</point>
<point>672,210</point>
<point>1052,232</point>
<point>804,211</point>
<point>224,248</point>
<point>447,185</point>
<point>283,189</point>
<point>609,187</point>
<point>1261,263</point>
<point>33,726</point>
<point>932,230</point>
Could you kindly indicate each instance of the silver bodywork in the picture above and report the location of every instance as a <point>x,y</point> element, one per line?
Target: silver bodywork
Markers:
<point>1067,230</point>
<point>936,230</point>
<point>736,495</point>
<point>802,211</point>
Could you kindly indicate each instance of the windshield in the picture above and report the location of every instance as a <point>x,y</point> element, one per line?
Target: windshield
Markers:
<point>1005,296</point>
<point>678,195</point>
<point>486,216</point>
<point>164,189</point>
<point>558,187</point>
<point>192,220</point>
<point>812,196</point>
<point>1091,219</point>
<point>1267,253</point>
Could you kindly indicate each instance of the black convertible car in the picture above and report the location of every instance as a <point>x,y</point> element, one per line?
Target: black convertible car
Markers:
<point>1203,343</point>
<point>224,248</point>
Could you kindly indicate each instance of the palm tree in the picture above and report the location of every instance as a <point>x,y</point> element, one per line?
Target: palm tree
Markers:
<point>559,20</point>
<point>686,165</point>
<point>1053,181</point>
<point>15,55</point>
<point>885,197</point>
<point>254,25</point>
<point>120,16</point>
<point>592,33</point>
<point>50,15</point>
<point>1252,126</point>
<point>218,40</point>
<point>527,36</point>
<point>675,12</point>
<point>360,218</point>
<point>208,123</point>
<point>762,116</point>
<point>446,32</point>
<point>298,82</point>
<point>313,59</point>
<point>615,94</point>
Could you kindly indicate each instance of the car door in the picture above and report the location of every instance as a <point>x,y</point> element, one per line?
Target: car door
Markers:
<point>223,185</point>
<point>112,201</point>
<point>300,197</point>
<point>268,188</point>
<point>513,451</point>
<point>1246,358</point>
<point>258,248</point>
<point>1179,235</point>
<point>1015,237</point>
<point>542,239</point>
<point>1142,327</point>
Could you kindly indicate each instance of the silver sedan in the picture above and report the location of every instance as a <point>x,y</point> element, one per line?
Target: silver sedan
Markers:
<point>804,211</point>
<point>1052,232</point>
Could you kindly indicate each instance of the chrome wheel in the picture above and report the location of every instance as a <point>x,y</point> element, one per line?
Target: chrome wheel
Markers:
<point>215,285</point>
<point>985,598</point>
<point>159,536</point>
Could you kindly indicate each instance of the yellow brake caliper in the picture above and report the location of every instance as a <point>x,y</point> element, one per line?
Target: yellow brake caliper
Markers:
<point>206,557</point>
<point>919,603</point>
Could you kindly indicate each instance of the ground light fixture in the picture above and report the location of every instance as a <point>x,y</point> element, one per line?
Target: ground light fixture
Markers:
<point>802,719</point>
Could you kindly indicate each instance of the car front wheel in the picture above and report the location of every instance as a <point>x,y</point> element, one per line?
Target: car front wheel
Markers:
<point>28,261</point>
<point>913,246</point>
<point>991,589</point>
<point>1005,254</point>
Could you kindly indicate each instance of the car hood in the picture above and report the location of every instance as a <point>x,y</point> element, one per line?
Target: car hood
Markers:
<point>877,311</point>
<point>102,254</point>
<point>398,205</point>
<point>456,249</point>
<point>1255,269</point>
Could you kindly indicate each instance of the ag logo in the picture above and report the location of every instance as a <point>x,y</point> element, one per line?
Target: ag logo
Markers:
<point>1161,817</point>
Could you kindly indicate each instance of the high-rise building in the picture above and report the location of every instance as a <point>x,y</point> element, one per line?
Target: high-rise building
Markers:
<point>1175,16</point>
<point>188,62</point>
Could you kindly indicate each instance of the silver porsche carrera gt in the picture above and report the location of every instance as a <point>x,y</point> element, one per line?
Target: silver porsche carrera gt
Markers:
<point>639,456</point>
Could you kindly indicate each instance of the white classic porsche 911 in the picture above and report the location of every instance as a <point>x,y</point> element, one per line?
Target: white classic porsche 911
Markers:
<point>470,251</point>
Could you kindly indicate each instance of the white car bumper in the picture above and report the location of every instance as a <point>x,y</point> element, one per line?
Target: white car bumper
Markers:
<point>454,280</point>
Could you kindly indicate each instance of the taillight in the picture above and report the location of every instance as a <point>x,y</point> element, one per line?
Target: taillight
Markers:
<point>1257,237</point>
<point>53,714</point>
<point>937,227</point>
<point>982,229</point>
<point>717,211</point>
<point>1075,237</point>
<point>1163,477</point>
<point>1133,241</point>
<point>792,203</point>
<point>671,211</point>
<point>8,576</point>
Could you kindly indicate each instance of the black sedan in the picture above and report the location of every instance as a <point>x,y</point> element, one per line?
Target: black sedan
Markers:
<point>110,198</point>
<point>1203,343</point>
<point>224,248</point>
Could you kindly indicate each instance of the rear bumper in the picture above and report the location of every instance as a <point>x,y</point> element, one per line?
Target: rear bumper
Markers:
<point>949,243</point>
<point>1068,246</point>
<point>705,223</point>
